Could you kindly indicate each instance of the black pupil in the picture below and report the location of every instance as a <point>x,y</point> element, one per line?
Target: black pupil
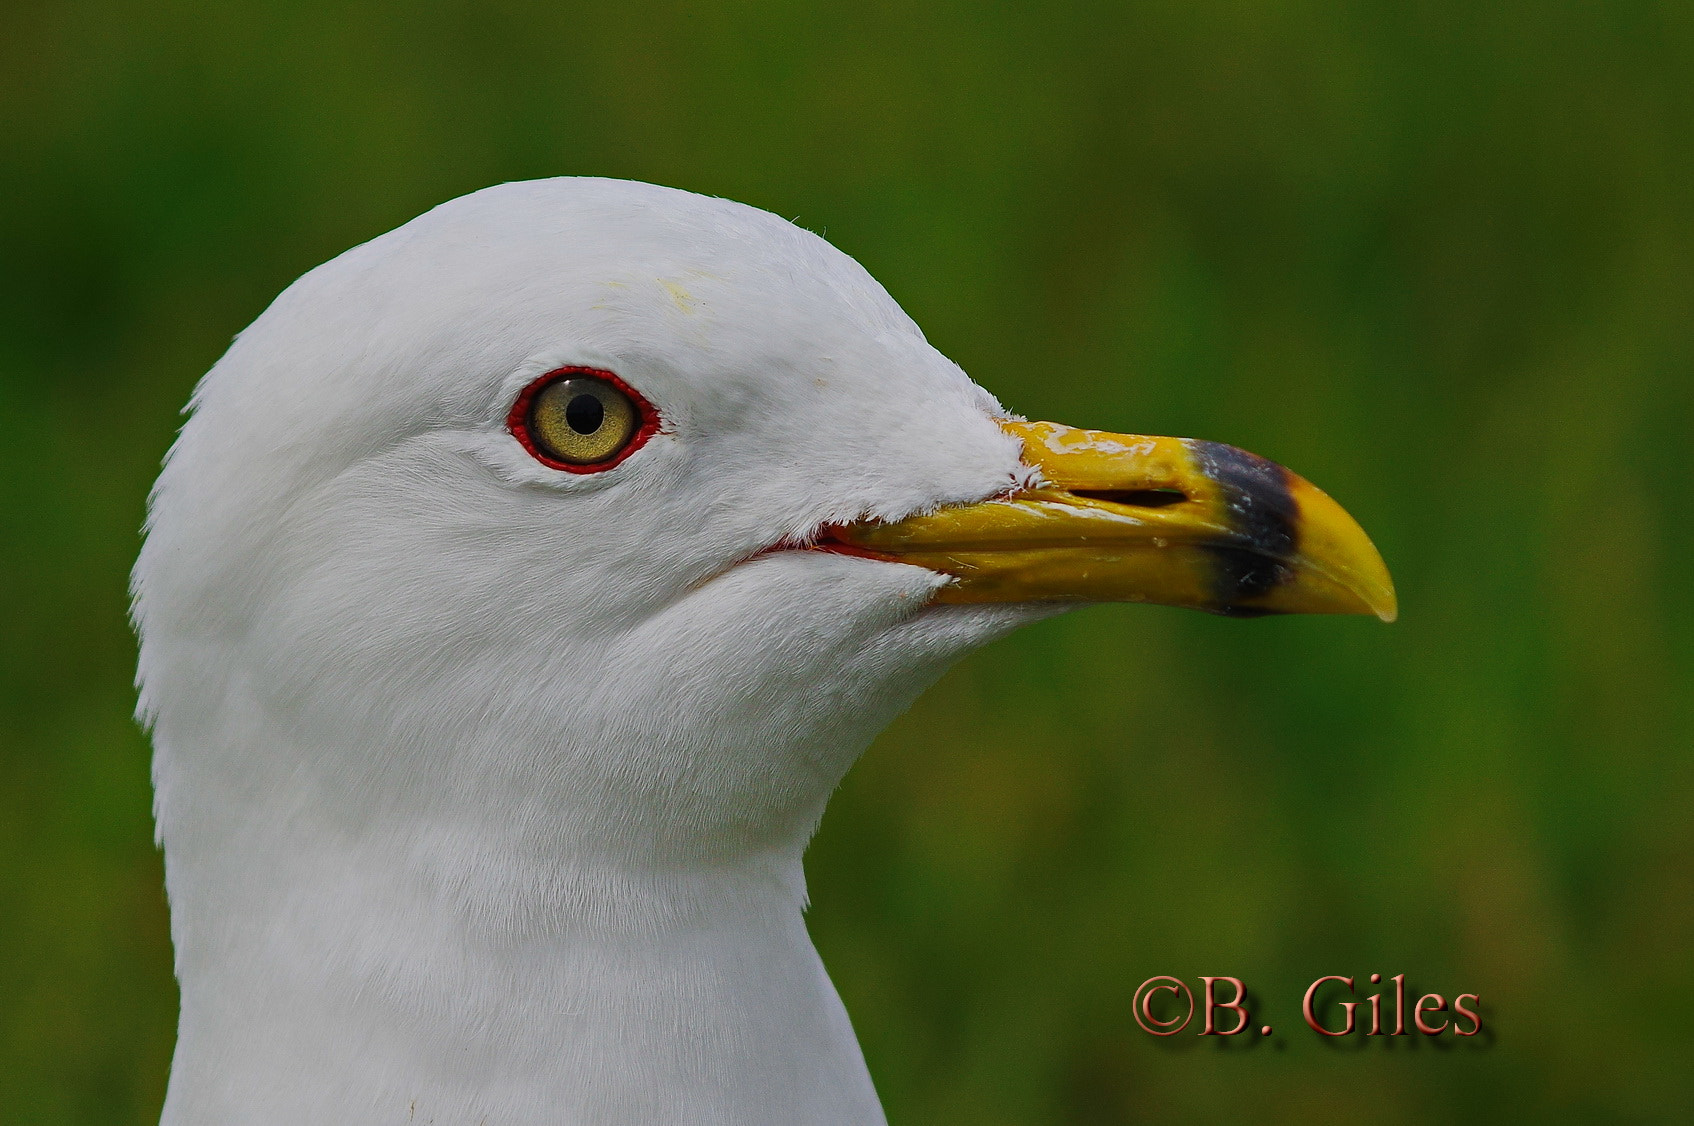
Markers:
<point>585,413</point>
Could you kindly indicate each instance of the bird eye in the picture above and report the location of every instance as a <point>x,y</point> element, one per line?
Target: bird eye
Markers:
<point>581,419</point>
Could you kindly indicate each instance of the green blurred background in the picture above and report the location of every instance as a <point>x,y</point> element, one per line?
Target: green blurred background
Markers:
<point>1438,257</point>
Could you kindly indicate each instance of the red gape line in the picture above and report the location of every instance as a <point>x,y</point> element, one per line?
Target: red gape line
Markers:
<point>517,420</point>
<point>828,539</point>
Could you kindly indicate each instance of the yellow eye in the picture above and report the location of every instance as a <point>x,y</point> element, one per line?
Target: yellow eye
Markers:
<point>581,420</point>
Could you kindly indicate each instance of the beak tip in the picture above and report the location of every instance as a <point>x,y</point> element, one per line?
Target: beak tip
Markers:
<point>1377,593</point>
<point>1383,599</point>
<point>1375,588</point>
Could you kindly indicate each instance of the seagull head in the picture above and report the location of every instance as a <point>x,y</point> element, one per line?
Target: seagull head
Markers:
<point>538,569</point>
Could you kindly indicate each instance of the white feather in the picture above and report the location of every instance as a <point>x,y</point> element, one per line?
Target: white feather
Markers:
<point>483,787</point>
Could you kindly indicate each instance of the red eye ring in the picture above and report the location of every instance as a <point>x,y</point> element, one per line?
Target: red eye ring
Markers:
<point>519,418</point>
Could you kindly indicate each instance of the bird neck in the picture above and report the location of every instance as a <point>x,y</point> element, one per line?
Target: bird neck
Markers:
<point>369,978</point>
<point>390,962</point>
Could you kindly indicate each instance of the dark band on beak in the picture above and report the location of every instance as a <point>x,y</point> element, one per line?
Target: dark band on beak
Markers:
<point>1264,517</point>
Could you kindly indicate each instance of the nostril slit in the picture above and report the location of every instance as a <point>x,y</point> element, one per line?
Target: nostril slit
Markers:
<point>1139,498</point>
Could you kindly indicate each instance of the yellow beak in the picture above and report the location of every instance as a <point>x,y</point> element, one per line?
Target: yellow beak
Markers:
<point>1127,518</point>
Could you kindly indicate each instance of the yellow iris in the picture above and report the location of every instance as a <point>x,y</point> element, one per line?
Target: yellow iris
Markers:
<point>582,420</point>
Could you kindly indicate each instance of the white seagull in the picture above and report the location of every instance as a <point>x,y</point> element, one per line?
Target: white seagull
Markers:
<point>520,587</point>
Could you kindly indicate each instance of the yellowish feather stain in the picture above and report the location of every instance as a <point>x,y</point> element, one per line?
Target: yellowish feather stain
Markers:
<point>685,301</point>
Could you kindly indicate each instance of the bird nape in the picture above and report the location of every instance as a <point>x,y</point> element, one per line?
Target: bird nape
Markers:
<point>520,587</point>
